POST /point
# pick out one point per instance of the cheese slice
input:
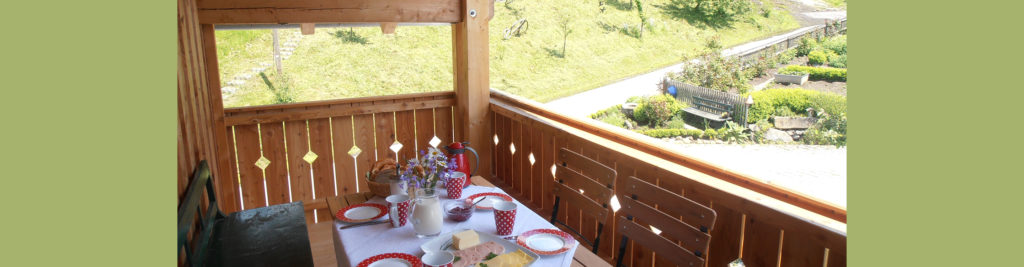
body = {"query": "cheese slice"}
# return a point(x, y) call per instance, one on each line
point(514, 259)
point(465, 239)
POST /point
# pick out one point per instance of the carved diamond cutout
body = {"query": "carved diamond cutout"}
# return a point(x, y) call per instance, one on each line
point(532, 160)
point(655, 230)
point(435, 141)
point(396, 146)
point(262, 162)
point(310, 157)
point(512, 147)
point(552, 169)
point(495, 139)
point(615, 204)
point(355, 151)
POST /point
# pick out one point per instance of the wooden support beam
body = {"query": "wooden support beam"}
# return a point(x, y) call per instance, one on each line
point(308, 28)
point(388, 27)
point(472, 78)
point(220, 159)
point(327, 11)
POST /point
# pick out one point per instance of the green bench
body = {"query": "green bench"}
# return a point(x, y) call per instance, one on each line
point(715, 112)
point(266, 236)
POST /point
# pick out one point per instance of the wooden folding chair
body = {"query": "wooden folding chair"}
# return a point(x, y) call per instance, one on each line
point(693, 231)
point(595, 179)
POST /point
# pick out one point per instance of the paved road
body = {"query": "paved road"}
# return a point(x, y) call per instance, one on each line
point(818, 171)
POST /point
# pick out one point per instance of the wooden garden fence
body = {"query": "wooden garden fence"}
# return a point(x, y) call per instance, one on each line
point(686, 92)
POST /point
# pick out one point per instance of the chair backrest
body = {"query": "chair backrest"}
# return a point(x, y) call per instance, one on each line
point(595, 179)
point(693, 231)
point(187, 211)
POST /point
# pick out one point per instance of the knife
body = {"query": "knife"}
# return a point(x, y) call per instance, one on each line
point(362, 224)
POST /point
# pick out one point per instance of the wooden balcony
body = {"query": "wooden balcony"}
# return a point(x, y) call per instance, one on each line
point(762, 229)
point(275, 154)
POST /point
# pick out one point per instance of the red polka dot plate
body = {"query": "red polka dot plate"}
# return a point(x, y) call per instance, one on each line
point(392, 259)
point(546, 241)
point(488, 204)
point(362, 212)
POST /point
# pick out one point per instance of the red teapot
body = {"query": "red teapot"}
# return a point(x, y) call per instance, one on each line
point(457, 151)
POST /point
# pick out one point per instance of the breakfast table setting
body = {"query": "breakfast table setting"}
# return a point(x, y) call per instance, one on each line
point(445, 221)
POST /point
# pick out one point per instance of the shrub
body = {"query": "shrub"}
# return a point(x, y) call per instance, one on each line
point(771, 102)
point(612, 115)
point(716, 72)
point(762, 130)
point(835, 44)
point(838, 61)
point(784, 112)
point(806, 46)
point(676, 122)
point(733, 132)
point(818, 73)
point(656, 110)
point(817, 58)
point(831, 130)
point(710, 133)
point(662, 133)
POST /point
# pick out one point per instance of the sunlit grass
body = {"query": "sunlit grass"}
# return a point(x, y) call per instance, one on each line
point(343, 62)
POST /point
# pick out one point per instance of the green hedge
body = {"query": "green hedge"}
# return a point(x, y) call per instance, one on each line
point(818, 73)
point(662, 133)
point(768, 103)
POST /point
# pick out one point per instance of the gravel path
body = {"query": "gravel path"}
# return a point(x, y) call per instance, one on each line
point(818, 171)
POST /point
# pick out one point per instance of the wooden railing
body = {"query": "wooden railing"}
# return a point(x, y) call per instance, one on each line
point(762, 224)
point(313, 150)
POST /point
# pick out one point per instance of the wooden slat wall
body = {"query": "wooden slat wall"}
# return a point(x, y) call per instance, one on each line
point(372, 124)
point(199, 106)
point(764, 235)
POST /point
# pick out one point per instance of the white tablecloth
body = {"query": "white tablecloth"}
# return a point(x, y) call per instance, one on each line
point(359, 243)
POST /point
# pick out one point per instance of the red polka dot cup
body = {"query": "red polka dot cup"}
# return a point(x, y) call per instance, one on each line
point(505, 217)
point(398, 209)
point(454, 185)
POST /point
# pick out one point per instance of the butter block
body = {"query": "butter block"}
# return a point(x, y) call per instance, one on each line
point(514, 259)
point(465, 239)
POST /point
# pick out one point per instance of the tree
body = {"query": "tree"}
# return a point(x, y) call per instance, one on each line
point(643, 16)
point(714, 13)
point(566, 30)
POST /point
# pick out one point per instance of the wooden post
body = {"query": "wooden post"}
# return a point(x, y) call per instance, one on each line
point(219, 161)
point(472, 78)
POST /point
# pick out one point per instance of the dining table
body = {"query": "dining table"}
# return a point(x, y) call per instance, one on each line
point(355, 244)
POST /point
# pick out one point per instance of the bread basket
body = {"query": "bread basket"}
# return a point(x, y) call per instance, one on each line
point(379, 177)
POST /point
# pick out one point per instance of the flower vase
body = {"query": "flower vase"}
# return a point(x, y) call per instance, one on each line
point(427, 217)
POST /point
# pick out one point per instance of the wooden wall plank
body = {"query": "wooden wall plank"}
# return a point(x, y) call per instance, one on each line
point(836, 258)
point(296, 138)
point(425, 128)
point(231, 182)
point(517, 160)
point(526, 175)
point(247, 140)
point(345, 169)
point(405, 133)
point(276, 174)
point(761, 243)
point(443, 126)
point(726, 237)
point(800, 250)
point(323, 169)
point(385, 129)
point(364, 132)
point(537, 169)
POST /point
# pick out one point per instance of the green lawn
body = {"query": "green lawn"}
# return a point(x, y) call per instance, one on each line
point(337, 63)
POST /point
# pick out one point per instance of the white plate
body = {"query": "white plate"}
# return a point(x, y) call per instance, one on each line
point(362, 213)
point(546, 242)
point(510, 246)
point(391, 263)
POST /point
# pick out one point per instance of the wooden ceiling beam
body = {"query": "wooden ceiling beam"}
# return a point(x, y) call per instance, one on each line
point(328, 11)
